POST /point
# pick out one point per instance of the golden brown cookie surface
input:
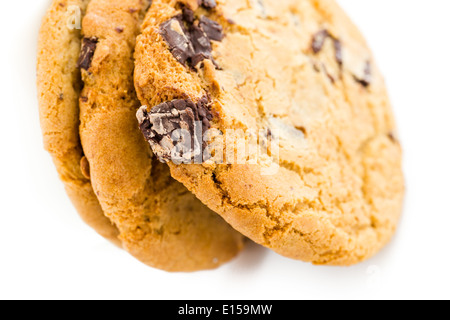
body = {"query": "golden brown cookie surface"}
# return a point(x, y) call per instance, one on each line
point(59, 83)
point(160, 222)
point(300, 71)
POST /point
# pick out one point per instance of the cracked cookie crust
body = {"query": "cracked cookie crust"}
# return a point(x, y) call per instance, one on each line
point(160, 222)
point(302, 69)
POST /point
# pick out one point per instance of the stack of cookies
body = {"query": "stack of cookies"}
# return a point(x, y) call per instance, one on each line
point(180, 128)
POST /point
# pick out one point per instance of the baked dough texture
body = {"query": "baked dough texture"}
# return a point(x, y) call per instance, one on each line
point(300, 70)
point(59, 84)
point(160, 222)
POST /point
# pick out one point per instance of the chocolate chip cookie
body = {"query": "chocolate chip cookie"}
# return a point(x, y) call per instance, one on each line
point(59, 85)
point(315, 171)
point(160, 222)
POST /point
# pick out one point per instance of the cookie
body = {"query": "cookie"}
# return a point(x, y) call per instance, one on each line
point(59, 84)
point(275, 115)
point(160, 222)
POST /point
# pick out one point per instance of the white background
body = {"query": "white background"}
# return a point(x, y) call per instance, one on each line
point(46, 252)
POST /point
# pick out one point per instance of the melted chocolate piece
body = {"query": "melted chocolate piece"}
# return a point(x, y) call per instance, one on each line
point(190, 39)
point(200, 41)
point(317, 45)
point(338, 52)
point(209, 4)
point(188, 16)
point(176, 35)
point(164, 123)
point(87, 53)
point(319, 40)
point(212, 29)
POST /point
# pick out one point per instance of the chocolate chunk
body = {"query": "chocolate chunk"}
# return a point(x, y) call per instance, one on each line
point(163, 128)
point(317, 45)
point(366, 80)
point(213, 30)
point(319, 40)
point(209, 4)
point(188, 16)
point(197, 58)
point(338, 52)
point(176, 36)
point(189, 40)
point(87, 53)
point(200, 41)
